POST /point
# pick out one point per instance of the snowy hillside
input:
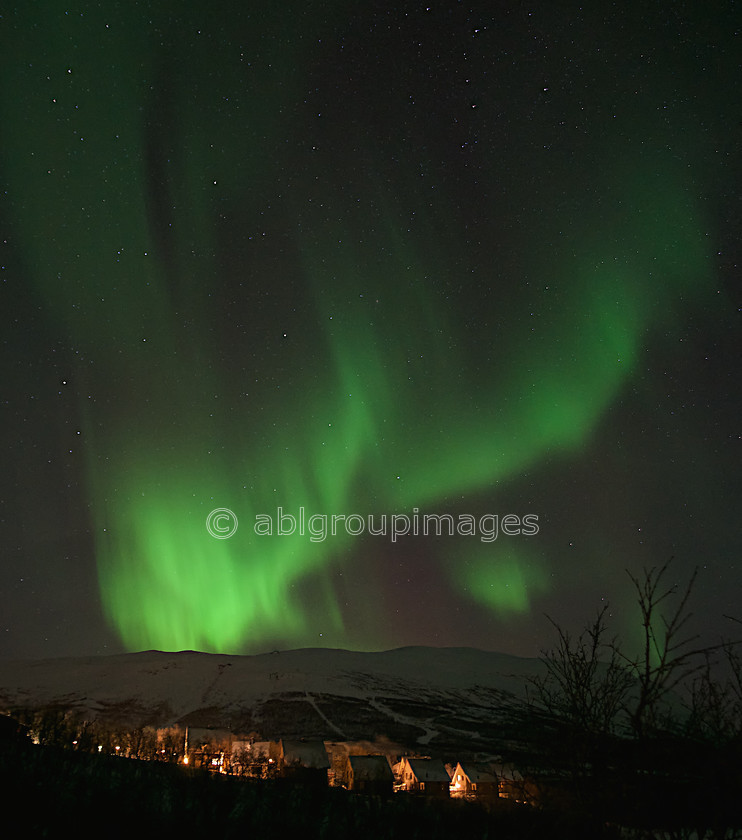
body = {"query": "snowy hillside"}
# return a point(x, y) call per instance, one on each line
point(414, 695)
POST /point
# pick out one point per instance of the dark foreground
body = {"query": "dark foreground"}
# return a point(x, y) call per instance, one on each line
point(49, 792)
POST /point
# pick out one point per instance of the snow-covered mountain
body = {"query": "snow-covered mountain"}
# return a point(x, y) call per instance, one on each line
point(426, 696)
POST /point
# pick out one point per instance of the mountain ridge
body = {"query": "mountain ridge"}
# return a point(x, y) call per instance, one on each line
point(417, 695)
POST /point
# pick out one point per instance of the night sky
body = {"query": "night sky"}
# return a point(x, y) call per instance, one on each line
point(365, 259)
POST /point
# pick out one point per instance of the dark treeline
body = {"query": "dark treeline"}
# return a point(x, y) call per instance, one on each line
point(50, 792)
point(59, 726)
point(650, 737)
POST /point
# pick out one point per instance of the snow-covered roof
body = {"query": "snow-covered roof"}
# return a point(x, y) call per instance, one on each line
point(428, 770)
point(371, 768)
point(306, 753)
point(477, 773)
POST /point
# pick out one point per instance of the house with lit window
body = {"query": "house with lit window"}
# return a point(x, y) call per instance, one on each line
point(258, 759)
point(513, 785)
point(208, 748)
point(474, 781)
point(425, 776)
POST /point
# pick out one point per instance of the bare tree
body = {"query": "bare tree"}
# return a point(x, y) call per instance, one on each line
point(586, 683)
point(669, 655)
point(589, 681)
point(716, 698)
point(575, 708)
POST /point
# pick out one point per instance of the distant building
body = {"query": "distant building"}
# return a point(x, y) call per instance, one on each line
point(513, 785)
point(338, 752)
point(209, 748)
point(427, 776)
point(259, 759)
point(304, 761)
point(474, 781)
point(370, 774)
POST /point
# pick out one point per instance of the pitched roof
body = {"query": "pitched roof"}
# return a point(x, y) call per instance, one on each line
point(371, 768)
point(477, 772)
point(508, 772)
point(428, 770)
point(306, 753)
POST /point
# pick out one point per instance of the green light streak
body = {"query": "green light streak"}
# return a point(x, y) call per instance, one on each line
point(382, 407)
point(505, 577)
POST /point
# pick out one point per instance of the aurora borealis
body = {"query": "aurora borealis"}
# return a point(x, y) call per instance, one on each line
point(364, 260)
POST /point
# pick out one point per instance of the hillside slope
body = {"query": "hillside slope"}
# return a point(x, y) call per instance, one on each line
point(431, 697)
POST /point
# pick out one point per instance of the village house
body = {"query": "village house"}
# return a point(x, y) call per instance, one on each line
point(258, 759)
point(426, 776)
point(474, 781)
point(208, 748)
point(513, 786)
point(338, 752)
point(304, 761)
point(370, 774)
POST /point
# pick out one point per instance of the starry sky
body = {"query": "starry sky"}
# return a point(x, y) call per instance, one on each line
point(466, 259)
